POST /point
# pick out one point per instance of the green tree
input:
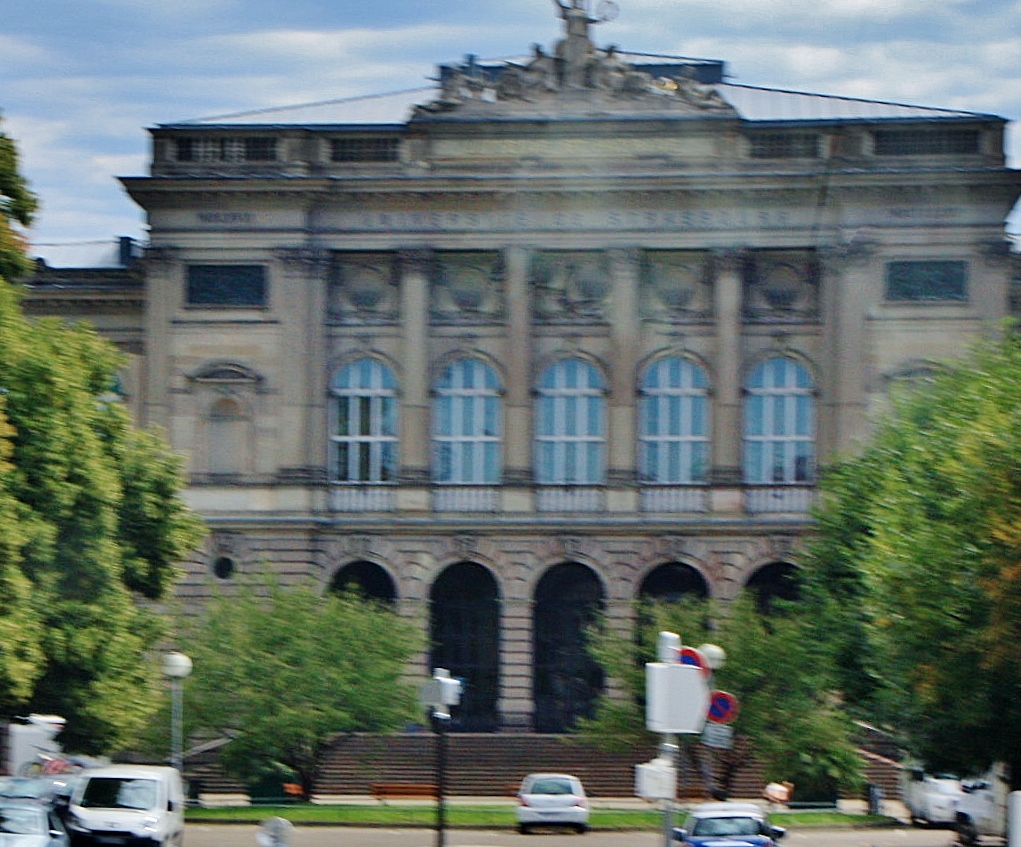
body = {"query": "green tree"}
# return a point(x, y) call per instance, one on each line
point(17, 205)
point(923, 530)
point(790, 716)
point(91, 523)
point(279, 671)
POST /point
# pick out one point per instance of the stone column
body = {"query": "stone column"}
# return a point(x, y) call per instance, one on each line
point(302, 436)
point(728, 354)
point(415, 268)
point(847, 285)
point(517, 460)
point(625, 342)
point(164, 294)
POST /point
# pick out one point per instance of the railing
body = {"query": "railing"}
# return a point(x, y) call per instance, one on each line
point(785, 499)
point(675, 498)
point(570, 499)
point(466, 498)
point(363, 498)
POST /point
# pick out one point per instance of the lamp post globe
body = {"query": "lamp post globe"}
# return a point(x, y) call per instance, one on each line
point(176, 665)
point(714, 655)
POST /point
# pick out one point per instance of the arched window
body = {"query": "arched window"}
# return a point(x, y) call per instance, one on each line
point(467, 425)
point(363, 434)
point(571, 425)
point(777, 580)
point(779, 424)
point(366, 578)
point(674, 423)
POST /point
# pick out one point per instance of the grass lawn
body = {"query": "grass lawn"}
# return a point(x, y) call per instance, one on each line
point(498, 816)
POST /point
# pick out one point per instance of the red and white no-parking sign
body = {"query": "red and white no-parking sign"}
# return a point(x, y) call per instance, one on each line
point(723, 707)
point(691, 656)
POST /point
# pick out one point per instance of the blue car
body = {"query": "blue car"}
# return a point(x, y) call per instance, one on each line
point(728, 825)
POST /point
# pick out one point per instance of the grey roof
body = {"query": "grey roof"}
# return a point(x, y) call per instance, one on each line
point(752, 104)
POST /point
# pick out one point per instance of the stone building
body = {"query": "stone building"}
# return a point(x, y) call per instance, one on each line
point(548, 337)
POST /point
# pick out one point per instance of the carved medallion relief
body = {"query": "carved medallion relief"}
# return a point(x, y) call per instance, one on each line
point(570, 286)
point(363, 288)
point(782, 286)
point(676, 285)
point(467, 287)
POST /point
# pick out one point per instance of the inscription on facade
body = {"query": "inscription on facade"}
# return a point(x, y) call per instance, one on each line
point(227, 218)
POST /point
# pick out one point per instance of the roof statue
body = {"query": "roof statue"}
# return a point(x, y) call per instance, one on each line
point(575, 76)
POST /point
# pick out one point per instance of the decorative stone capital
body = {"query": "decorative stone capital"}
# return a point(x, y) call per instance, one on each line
point(415, 260)
point(518, 477)
point(725, 477)
point(303, 261)
point(415, 476)
point(629, 258)
point(160, 259)
point(858, 252)
point(729, 260)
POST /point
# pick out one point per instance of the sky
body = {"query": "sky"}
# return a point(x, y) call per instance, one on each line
point(82, 80)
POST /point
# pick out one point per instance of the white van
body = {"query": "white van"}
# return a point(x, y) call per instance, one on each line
point(127, 806)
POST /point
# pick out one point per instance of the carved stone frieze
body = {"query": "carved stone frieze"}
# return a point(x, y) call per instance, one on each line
point(468, 288)
point(570, 286)
point(363, 289)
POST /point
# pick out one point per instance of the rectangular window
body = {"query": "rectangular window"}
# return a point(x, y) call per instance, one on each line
point(784, 145)
point(927, 142)
point(241, 149)
point(926, 281)
point(226, 285)
point(364, 149)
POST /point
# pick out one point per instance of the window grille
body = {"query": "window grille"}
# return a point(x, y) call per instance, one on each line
point(571, 425)
point(213, 149)
point(364, 149)
point(363, 434)
point(779, 424)
point(926, 142)
point(927, 281)
point(467, 425)
point(784, 145)
point(674, 416)
point(226, 285)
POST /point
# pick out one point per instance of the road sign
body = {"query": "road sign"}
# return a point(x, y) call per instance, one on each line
point(723, 707)
point(691, 656)
point(718, 735)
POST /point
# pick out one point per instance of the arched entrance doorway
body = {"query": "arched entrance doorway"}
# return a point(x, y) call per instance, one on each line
point(464, 632)
point(565, 679)
point(368, 579)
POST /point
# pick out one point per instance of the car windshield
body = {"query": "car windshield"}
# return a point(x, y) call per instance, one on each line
point(23, 821)
point(551, 786)
point(109, 792)
point(728, 826)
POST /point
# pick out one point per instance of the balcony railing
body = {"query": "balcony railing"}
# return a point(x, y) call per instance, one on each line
point(570, 499)
point(363, 498)
point(675, 498)
point(466, 498)
point(779, 499)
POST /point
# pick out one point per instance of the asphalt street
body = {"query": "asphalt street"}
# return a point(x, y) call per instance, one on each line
point(200, 835)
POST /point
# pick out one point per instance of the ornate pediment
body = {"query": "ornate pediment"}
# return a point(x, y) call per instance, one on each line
point(574, 77)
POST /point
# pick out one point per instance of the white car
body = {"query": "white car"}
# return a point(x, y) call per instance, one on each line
point(552, 799)
point(931, 799)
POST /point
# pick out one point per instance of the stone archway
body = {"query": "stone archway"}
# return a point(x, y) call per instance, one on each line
point(464, 634)
point(566, 680)
point(777, 580)
point(368, 579)
point(673, 581)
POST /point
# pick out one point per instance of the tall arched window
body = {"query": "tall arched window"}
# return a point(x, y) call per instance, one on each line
point(674, 423)
point(779, 424)
point(363, 435)
point(571, 425)
point(467, 425)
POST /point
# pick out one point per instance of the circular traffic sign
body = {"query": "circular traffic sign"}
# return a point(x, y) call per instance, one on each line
point(691, 656)
point(723, 707)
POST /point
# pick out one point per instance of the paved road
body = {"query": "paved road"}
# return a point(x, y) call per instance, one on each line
point(198, 835)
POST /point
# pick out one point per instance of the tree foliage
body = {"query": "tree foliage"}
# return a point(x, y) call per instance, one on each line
point(17, 206)
point(790, 715)
point(90, 519)
point(923, 531)
point(280, 671)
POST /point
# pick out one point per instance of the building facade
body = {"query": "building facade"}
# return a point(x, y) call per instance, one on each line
point(550, 337)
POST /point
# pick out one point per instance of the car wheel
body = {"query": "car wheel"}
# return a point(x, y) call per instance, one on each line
point(967, 834)
point(523, 829)
point(580, 828)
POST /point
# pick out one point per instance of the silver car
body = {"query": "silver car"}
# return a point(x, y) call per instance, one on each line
point(552, 799)
point(28, 824)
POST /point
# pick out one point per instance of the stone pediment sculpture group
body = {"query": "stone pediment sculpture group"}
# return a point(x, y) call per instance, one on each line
point(575, 67)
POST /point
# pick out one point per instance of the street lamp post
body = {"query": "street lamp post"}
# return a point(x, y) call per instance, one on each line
point(438, 694)
point(176, 667)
